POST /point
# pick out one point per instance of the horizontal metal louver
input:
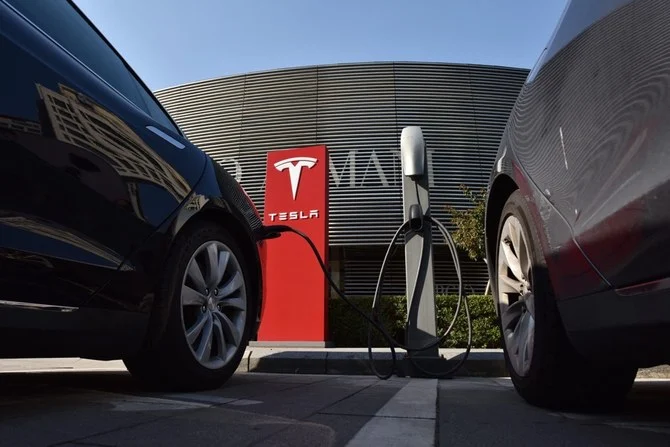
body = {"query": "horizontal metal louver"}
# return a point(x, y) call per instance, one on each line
point(358, 111)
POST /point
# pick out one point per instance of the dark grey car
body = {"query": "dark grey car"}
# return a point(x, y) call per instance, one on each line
point(578, 217)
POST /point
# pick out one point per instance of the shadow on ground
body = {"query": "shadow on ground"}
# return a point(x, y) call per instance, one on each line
point(110, 408)
point(490, 412)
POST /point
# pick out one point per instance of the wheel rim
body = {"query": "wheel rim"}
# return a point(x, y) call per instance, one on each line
point(515, 295)
point(214, 304)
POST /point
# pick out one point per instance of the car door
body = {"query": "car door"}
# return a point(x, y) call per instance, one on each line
point(87, 161)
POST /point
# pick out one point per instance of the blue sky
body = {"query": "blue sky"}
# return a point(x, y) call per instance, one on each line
point(171, 42)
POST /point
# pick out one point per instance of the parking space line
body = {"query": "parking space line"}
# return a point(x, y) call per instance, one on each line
point(408, 418)
point(200, 398)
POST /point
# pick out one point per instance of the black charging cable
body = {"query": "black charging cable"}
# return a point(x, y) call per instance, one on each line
point(462, 301)
point(273, 231)
point(416, 222)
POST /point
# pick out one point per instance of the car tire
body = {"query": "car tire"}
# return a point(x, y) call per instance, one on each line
point(544, 367)
point(189, 356)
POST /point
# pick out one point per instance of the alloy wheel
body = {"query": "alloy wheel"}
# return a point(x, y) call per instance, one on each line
point(214, 304)
point(515, 295)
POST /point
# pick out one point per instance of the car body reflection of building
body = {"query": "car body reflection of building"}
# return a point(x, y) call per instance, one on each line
point(25, 126)
point(79, 121)
point(27, 258)
point(196, 203)
point(60, 234)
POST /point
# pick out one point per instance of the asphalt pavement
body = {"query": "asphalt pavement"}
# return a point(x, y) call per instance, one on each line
point(105, 407)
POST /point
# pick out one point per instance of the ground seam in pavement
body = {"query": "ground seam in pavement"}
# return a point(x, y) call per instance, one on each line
point(319, 411)
point(82, 440)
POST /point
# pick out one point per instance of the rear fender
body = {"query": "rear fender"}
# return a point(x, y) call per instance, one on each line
point(570, 271)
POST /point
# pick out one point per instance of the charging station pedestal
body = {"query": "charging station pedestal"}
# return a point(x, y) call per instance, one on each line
point(422, 324)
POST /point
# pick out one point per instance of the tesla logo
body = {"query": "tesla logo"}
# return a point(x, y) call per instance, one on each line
point(294, 215)
point(294, 166)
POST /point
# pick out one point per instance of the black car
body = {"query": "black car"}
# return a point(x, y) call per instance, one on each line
point(578, 215)
point(119, 239)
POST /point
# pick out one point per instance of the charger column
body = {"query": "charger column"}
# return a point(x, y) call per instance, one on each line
point(421, 328)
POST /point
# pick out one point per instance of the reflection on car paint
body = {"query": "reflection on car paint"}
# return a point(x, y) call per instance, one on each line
point(78, 120)
point(53, 231)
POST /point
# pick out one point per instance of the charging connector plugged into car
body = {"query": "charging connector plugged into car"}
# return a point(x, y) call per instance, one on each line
point(415, 218)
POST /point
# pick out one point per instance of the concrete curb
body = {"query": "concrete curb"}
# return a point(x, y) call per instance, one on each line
point(354, 361)
point(328, 361)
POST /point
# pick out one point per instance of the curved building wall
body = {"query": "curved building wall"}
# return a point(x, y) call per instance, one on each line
point(358, 111)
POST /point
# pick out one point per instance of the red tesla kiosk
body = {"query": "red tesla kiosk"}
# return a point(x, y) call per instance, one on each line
point(295, 304)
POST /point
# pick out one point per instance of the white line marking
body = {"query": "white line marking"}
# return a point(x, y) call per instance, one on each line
point(245, 402)
point(143, 404)
point(202, 398)
point(397, 423)
point(642, 426)
point(206, 399)
point(560, 130)
point(65, 369)
point(133, 402)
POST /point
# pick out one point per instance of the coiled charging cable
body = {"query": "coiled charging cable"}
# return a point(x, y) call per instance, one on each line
point(374, 322)
point(462, 301)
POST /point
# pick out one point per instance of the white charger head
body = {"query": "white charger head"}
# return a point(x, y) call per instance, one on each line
point(412, 151)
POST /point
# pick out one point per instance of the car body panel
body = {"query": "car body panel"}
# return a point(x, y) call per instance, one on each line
point(217, 197)
point(570, 271)
point(614, 329)
point(589, 130)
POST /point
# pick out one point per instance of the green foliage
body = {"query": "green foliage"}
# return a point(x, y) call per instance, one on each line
point(469, 234)
point(349, 329)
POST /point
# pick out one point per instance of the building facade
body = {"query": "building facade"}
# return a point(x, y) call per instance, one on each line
point(358, 111)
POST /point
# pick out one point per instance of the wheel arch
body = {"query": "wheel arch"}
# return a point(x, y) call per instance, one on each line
point(225, 217)
point(502, 188)
point(181, 225)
